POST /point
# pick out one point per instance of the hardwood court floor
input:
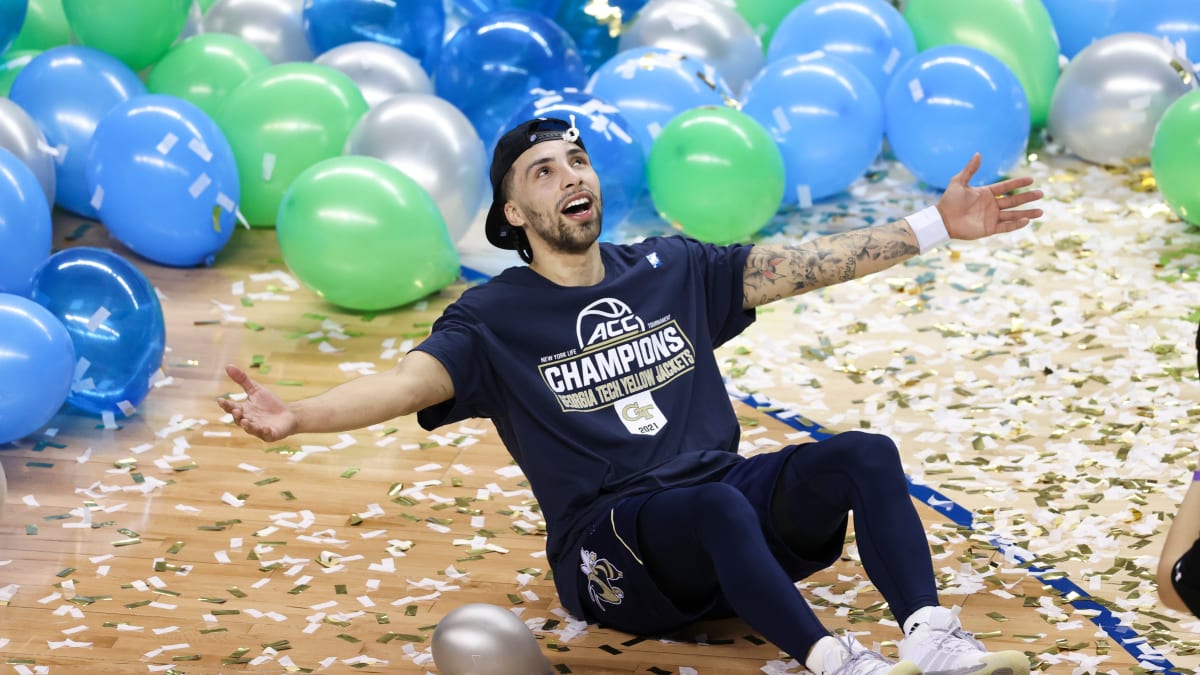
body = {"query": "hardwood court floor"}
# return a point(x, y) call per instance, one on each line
point(176, 543)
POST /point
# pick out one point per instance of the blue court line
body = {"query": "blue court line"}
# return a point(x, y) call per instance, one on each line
point(1122, 635)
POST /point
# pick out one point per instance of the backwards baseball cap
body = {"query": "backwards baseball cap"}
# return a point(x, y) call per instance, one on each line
point(511, 146)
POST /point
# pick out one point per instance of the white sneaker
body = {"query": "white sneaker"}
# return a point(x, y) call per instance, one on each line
point(939, 646)
point(855, 659)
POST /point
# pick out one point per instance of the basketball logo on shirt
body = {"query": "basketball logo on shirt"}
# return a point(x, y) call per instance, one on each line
point(600, 575)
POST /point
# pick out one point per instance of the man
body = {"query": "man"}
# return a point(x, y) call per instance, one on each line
point(1179, 563)
point(595, 363)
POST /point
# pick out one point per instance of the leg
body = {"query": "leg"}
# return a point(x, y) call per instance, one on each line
point(859, 472)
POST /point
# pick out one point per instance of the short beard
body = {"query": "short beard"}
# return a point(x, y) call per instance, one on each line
point(564, 237)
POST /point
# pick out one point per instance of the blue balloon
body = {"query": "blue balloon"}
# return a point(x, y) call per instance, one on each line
point(950, 102)
point(1078, 23)
point(651, 85)
point(412, 26)
point(67, 90)
point(826, 118)
point(615, 154)
point(593, 30)
point(166, 180)
point(477, 7)
point(871, 34)
point(12, 18)
point(492, 63)
point(25, 230)
point(37, 362)
point(1176, 20)
point(115, 322)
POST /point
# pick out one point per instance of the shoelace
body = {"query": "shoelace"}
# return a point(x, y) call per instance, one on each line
point(962, 640)
point(858, 659)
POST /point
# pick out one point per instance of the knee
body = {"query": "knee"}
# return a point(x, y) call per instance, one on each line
point(718, 505)
point(872, 453)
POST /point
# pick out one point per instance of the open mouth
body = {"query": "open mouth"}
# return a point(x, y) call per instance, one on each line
point(579, 206)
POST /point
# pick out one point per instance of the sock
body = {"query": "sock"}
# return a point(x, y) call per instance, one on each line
point(916, 619)
point(821, 652)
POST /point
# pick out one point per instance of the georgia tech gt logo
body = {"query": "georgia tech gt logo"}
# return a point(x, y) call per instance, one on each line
point(600, 575)
point(632, 412)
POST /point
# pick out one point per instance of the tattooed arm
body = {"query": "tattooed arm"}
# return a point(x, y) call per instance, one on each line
point(775, 272)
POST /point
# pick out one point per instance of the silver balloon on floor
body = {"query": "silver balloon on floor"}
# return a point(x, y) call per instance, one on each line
point(20, 135)
point(483, 639)
point(435, 144)
point(276, 27)
point(1110, 97)
point(380, 71)
point(705, 29)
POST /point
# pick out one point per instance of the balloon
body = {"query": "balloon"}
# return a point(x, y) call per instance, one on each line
point(37, 362)
point(380, 71)
point(282, 121)
point(494, 61)
point(1173, 157)
point(870, 34)
point(483, 639)
point(203, 69)
point(477, 7)
point(412, 26)
point(826, 118)
point(650, 86)
point(12, 63)
point(434, 144)
point(950, 102)
point(1112, 94)
point(12, 17)
point(716, 174)
point(138, 32)
point(715, 34)
point(365, 236)
point(764, 16)
point(1176, 20)
point(67, 91)
point(1079, 22)
point(275, 27)
point(25, 232)
point(596, 28)
point(613, 150)
point(1018, 32)
point(45, 27)
point(3, 488)
point(115, 321)
point(20, 135)
point(167, 180)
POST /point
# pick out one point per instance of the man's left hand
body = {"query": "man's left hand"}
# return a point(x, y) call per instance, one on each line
point(975, 212)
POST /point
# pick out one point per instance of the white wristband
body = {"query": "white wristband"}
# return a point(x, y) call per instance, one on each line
point(928, 226)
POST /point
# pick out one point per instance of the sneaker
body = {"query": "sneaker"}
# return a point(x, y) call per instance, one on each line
point(855, 659)
point(939, 646)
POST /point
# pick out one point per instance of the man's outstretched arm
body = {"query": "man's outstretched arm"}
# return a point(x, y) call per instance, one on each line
point(775, 272)
point(415, 383)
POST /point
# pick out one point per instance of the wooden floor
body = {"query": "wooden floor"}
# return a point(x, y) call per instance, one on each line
point(175, 543)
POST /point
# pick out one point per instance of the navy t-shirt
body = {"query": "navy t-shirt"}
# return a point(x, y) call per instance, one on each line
point(600, 392)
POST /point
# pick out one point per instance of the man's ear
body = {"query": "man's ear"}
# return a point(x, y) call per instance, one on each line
point(513, 214)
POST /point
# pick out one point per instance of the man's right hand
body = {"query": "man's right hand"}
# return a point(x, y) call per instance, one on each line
point(262, 413)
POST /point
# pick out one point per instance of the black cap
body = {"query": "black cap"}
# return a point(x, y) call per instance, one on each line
point(511, 146)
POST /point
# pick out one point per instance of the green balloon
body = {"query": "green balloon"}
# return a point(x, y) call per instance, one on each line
point(204, 68)
point(764, 16)
point(282, 121)
point(138, 32)
point(1018, 32)
point(45, 27)
point(205, 4)
point(12, 63)
point(364, 235)
point(1174, 156)
point(716, 174)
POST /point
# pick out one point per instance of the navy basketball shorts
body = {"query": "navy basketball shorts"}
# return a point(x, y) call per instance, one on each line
point(615, 588)
point(1185, 578)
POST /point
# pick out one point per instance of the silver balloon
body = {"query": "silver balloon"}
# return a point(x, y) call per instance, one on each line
point(435, 144)
point(276, 27)
point(705, 29)
point(192, 27)
point(380, 71)
point(483, 639)
point(20, 135)
point(1110, 97)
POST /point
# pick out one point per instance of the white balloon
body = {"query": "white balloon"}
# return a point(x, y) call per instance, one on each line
point(276, 27)
point(380, 71)
point(433, 143)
